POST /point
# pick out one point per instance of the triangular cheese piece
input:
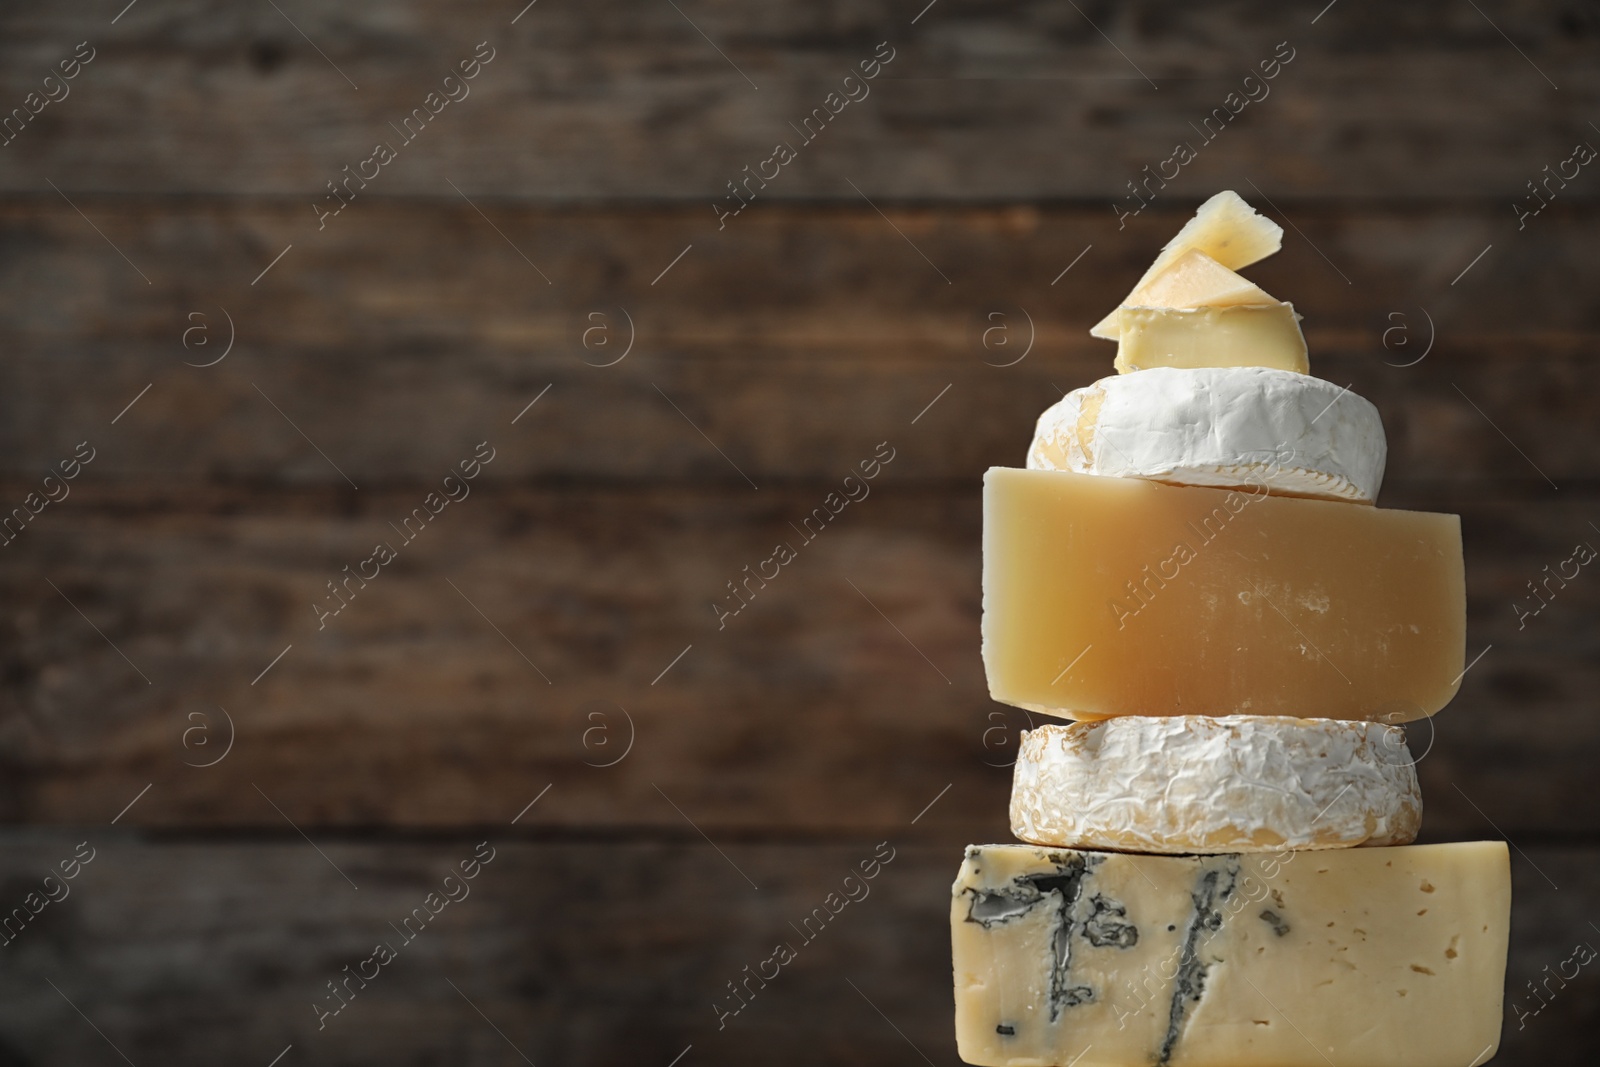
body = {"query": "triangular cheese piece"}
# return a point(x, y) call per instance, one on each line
point(1195, 280)
point(1225, 228)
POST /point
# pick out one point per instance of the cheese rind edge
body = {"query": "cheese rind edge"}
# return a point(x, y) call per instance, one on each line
point(1201, 784)
point(1223, 427)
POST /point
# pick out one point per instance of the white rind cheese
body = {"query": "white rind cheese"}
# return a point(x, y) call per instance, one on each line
point(1219, 427)
point(1198, 784)
point(1368, 957)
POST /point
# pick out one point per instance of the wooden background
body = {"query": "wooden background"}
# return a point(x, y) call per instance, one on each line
point(559, 618)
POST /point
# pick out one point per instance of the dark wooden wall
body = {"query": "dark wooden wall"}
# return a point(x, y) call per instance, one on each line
point(559, 618)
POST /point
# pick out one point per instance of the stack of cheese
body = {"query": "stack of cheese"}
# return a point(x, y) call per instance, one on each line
point(1219, 869)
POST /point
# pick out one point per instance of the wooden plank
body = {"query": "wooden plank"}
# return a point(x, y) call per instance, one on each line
point(560, 617)
point(215, 952)
point(576, 953)
point(1010, 100)
point(417, 275)
point(1467, 418)
point(416, 332)
point(426, 704)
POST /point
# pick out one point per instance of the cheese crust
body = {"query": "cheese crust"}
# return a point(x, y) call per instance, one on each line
point(1203, 784)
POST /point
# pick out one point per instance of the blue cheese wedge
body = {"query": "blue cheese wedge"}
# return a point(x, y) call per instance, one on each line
point(1372, 957)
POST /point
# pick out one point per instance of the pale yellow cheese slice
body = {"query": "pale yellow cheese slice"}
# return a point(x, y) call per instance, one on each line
point(1225, 228)
point(1196, 280)
point(1244, 335)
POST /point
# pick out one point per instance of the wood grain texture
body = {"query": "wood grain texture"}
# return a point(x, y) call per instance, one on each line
point(191, 953)
point(421, 273)
point(982, 100)
point(561, 616)
point(1469, 418)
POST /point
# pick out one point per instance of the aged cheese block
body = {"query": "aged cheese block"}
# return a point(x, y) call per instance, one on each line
point(1225, 228)
point(1232, 427)
point(1243, 335)
point(1368, 957)
point(1121, 596)
point(1193, 783)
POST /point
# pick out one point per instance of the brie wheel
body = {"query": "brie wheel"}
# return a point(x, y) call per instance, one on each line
point(1219, 427)
point(1195, 783)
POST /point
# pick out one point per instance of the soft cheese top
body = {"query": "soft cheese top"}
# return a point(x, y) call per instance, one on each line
point(1228, 427)
point(1214, 384)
